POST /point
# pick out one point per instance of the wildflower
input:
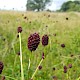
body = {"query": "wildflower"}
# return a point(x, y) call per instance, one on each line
point(62, 45)
point(70, 65)
point(66, 18)
point(33, 41)
point(19, 29)
point(1, 67)
point(17, 36)
point(40, 67)
point(25, 17)
point(54, 68)
point(18, 53)
point(45, 40)
point(65, 69)
point(72, 55)
point(49, 15)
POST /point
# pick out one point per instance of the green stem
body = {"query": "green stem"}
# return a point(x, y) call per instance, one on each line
point(36, 69)
point(78, 78)
point(14, 59)
point(29, 64)
point(9, 77)
point(22, 73)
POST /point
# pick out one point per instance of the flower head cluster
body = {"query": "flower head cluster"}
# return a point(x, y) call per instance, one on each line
point(45, 40)
point(33, 41)
point(19, 29)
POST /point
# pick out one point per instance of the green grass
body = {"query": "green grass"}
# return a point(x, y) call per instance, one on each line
point(67, 32)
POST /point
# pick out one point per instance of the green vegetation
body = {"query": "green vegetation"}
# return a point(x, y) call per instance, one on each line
point(38, 5)
point(62, 50)
point(70, 6)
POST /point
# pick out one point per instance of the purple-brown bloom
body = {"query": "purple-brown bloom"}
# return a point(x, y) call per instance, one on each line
point(63, 45)
point(54, 68)
point(40, 67)
point(70, 65)
point(25, 17)
point(66, 18)
point(19, 29)
point(65, 69)
point(18, 53)
point(33, 41)
point(17, 36)
point(49, 15)
point(45, 40)
point(1, 67)
point(72, 55)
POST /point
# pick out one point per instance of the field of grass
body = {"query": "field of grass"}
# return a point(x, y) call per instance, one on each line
point(59, 30)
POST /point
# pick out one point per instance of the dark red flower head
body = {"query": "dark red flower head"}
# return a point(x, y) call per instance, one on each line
point(1, 67)
point(70, 65)
point(54, 68)
point(66, 18)
point(45, 40)
point(33, 41)
point(19, 29)
point(65, 69)
point(40, 67)
point(63, 45)
point(17, 36)
point(18, 53)
point(25, 17)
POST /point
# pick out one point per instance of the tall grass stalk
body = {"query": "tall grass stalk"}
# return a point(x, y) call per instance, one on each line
point(22, 72)
point(36, 69)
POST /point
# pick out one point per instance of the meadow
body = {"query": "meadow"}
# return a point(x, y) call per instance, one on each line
point(61, 28)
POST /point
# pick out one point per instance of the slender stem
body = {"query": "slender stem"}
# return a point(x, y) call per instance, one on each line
point(22, 73)
point(14, 59)
point(36, 69)
point(9, 77)
point(29, 64)
point(78, 78)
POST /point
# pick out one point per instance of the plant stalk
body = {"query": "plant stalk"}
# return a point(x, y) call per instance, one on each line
point(36, 69)
point(22, 73)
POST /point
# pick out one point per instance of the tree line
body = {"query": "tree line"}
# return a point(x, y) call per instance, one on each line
point(40, 5)
point(70, 6)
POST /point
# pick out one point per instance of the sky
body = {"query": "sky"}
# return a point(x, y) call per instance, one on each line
point(20, 5)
